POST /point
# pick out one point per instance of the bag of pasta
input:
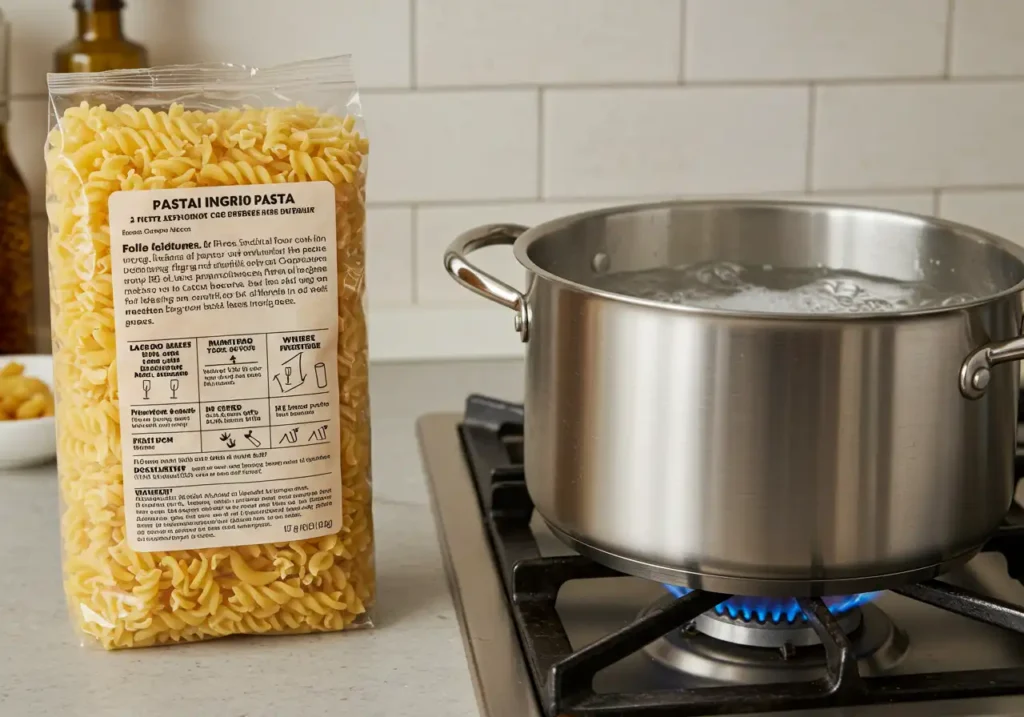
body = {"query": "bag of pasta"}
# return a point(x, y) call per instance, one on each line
point(209, 338)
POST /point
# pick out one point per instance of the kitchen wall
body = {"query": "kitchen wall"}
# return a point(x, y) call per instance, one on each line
point(523, 110)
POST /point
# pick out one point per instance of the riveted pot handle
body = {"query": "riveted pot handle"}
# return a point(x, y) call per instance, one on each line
point(976, 371)
point(482, 283)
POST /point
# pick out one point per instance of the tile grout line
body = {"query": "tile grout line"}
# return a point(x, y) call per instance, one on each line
point(947, 60)
point(1011, 187)
point(682, 42)
point(914, 80)
point(413, 79)
point(414, 280)
point(540, 143)
point(853, 193)
point(812, 115)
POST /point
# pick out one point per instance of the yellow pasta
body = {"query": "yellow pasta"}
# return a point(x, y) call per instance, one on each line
point(129, 599)
point(23, 397)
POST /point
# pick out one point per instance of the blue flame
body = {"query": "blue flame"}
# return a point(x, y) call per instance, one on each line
point(777, 610)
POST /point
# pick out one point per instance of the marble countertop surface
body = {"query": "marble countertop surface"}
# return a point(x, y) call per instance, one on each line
point(411, 663)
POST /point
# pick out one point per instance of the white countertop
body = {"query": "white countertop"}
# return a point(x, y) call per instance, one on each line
point(412, 663)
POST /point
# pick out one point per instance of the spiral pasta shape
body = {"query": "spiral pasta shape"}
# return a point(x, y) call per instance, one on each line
point(120, 597)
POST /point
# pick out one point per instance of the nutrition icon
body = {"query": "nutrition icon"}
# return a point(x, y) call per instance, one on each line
point(228, 440)
point(252, 439)
point(174, 389)
point(293, 377)
point(321, 374)
point(290, 436)
point(146, 385)
point(320, 434)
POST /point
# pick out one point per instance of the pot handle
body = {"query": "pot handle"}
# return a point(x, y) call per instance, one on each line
point(976, 371)
point(480, 282)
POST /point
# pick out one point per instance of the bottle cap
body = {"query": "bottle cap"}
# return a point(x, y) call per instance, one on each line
point(98, 5)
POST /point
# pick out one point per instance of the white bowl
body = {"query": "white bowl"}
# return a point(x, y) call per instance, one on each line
point(34, 440)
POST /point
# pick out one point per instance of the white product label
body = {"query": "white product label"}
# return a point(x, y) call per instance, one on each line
point(226, 302)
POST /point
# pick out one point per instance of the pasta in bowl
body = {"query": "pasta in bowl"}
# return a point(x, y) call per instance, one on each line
point(27, 435)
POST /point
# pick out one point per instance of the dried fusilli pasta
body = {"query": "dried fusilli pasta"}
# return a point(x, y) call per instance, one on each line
point(129, 599)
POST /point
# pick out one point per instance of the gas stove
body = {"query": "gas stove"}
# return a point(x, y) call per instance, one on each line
point(549, 632)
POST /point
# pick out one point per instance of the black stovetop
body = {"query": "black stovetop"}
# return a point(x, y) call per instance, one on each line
point(563, 674)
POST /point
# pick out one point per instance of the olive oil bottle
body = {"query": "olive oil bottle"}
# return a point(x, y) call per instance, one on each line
point(17, 307)
point(100, 43)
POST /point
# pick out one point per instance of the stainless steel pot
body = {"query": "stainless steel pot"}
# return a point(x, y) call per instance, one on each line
point(764, 454)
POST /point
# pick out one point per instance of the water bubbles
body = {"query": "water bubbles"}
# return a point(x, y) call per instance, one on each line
point(842, 289)
point(956, 300)
point(722, 275)
point(768, 289)
point(881, 305)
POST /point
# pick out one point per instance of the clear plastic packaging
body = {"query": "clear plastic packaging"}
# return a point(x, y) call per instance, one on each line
point(187, 128)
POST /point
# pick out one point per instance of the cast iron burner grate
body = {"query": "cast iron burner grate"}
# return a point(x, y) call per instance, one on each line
point(491, 434)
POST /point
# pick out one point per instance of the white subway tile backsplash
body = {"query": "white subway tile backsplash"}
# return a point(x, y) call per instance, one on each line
point(439, 146)
point(998, 211)
point(27, 135)
point(528, 110)
point(644, 142)
point(919, 135)
point(375, 33)
point(988, 37)
point(510, 42)
point(181, 31)
point(912, 202)
point(436, 227)
point(38, 27)
point(814, 39)
point(389, 251)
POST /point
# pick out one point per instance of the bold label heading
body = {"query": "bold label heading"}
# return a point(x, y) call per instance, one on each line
point(229, 200)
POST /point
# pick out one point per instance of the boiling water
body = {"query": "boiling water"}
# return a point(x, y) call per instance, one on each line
point(766, 289)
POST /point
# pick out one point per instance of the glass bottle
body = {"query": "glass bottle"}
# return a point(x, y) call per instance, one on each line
point(100, 44)
point(17, 307)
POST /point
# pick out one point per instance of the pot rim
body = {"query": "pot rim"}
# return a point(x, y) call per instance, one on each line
point(522, 244)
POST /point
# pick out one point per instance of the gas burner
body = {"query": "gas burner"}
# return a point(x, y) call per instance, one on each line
point(777, 610)
point(797, 633)
point(772, 622)
point(728, 650)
